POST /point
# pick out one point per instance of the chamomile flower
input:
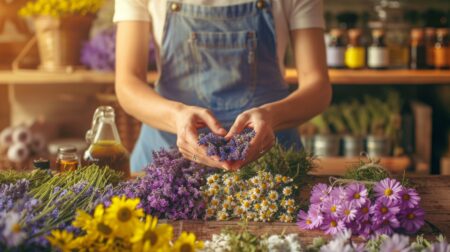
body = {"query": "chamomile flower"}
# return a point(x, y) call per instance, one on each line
point(287, 191)
point(246, 205)
point(273, 195)
point(222, 215)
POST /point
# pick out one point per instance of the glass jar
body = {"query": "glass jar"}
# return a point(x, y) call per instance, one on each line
point(105, 148)
point(377, 53)
point(67, 159)
point(336, 49)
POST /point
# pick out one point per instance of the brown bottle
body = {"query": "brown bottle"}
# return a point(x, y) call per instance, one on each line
point(67, 159)
point(442, 49)
point(106, 148)
point(417, 50)
point(430, 41)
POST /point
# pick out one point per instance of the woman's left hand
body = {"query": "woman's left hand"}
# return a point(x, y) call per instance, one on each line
point(259, 119)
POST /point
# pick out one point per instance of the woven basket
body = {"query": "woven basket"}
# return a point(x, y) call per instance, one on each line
point(60, 40)
point(128, 127)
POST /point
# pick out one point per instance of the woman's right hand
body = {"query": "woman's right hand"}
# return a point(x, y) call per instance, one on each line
point(188, 120)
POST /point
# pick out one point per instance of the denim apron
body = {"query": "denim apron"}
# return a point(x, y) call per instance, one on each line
point(218, 57)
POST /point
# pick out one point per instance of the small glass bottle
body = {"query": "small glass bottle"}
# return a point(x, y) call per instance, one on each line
point(377, 53)
point(336, 49)
point(105, 148)
point(67, 159)
point(430, 41)
point(417, 50)
point(355, 55)
point(41, 164)
point(442, 49)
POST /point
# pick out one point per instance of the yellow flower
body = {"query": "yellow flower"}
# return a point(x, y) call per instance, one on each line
point(123, 216)
point(82, 220)
point(187, 243)
point(287, 191)
point(149, 236)
point(273, 195)
point(97, 227)
point(61, 240)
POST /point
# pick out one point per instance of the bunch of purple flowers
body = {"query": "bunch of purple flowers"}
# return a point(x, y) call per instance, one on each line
point(393, 208)
point(233, 150)
point(99, 52)
point(170, 188)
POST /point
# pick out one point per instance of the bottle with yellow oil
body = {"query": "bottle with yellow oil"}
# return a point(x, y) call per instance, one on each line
point(355, 55)
point(105, 147)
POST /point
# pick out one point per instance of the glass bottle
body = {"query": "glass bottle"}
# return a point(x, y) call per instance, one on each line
point(105, 147)
point(430, 41)
point(417, 50)
point(377, 53)
point(355, 55)
point(67, 159)
point(336, 49)
point(442, 49)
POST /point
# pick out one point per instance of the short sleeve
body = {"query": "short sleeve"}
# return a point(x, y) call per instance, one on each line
point(131, 10)
point(304, 14)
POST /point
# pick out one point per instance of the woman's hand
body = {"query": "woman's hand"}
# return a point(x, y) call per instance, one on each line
point(188, 120)
point(259, 119)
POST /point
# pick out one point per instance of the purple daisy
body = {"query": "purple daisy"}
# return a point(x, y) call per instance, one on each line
point(338, 193)
point(315, 215)
point(364, 229)
point(387, 226)
point(384, 209)
point(397, 242)
point(332, 226)
point(409, 198)
point(320, 192)
point(364, 211)
point(442, 246)
point(304, 221)
point(347, 212)
point(389, 189)
point(412, 219)
point(332, 207)
point(356, 193)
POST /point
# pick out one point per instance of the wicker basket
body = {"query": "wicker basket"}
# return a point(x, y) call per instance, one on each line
point(60, 40)
point(128, 127)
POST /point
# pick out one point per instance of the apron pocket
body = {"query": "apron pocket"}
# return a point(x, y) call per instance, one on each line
point(225, 68)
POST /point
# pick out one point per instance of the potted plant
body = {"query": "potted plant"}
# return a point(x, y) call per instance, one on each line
point(330, 126)
point(357, 121)
point(61, 28)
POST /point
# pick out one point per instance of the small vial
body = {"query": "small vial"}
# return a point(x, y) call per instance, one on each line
point(67, 159)
point(377, 53)
point(355, 55)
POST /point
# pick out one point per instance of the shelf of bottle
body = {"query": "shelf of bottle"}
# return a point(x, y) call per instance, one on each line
point(337, 77)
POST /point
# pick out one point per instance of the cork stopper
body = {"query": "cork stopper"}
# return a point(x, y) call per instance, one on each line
point(336, 32)
point(417, 34)
point(376, 33)
point(354, 33)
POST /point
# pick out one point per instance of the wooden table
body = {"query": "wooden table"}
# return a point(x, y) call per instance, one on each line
point(434, 190)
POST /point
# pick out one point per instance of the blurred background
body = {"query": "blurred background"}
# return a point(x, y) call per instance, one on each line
point(389, 65)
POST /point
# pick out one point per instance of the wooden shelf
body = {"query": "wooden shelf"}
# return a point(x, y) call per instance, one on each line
point(339, 165)
point(337, 77)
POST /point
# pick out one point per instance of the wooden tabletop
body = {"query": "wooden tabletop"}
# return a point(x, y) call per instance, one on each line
point(434, 190)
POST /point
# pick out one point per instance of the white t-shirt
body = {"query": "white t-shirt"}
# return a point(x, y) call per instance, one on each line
point(288, 15)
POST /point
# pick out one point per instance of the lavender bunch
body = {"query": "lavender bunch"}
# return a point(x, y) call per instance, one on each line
point(233, 150)
point(392, 208)
point(170, 188)
point(99, 52)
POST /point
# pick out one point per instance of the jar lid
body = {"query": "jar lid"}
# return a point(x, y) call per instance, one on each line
point(377, 33)
point(43, 164)
point(54, 145)
point(67, 149)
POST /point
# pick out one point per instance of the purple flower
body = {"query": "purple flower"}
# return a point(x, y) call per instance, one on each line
point(233, 150)
point(387, 226)
point(315, 215)
point(338, 193)
point(304, 221)
point(412, 219)
point(320, 193)
point(347, 212)
point(384, 209)
point(364, 229)
point(442, 246)
point(364, 211)
point(388, 189)
point(332, 226)
point(332, 207)
point(409, 198)
point(398, 243)
point(356, 193)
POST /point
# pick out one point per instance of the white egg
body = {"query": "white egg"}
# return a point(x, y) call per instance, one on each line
point(18, 152)
point(22, 134)
point(6, 137)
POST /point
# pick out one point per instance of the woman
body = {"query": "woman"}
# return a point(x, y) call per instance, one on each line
point(221, 67)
